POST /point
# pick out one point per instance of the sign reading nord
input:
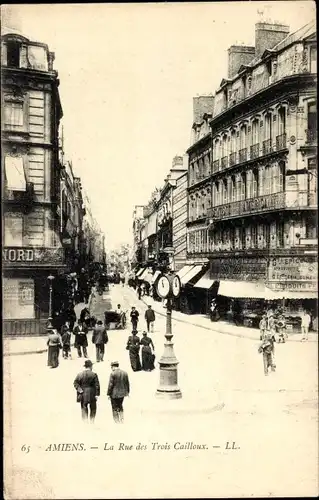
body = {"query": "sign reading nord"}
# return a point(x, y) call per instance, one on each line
point(32, 255)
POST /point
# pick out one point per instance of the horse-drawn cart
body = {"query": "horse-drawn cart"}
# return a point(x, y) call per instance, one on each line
point(114, 320)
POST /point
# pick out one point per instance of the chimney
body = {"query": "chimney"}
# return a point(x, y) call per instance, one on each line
point(202, 104)
point(177, 162)
point(238, 55)
point(267, 35)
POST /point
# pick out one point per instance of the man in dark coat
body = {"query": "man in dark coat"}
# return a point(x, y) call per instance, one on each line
point(134, 318)
point(119, 387)
point(85, 316)
point(150, 318)
point(87, 386)
point(81, 341)
point(99, 338)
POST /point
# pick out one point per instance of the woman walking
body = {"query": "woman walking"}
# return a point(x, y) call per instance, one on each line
point(54, 345)
point(133, 346)
point(147, 353)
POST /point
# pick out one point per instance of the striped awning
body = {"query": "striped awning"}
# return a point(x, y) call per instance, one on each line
point(190, 274)
point(205, 281)
point(139, 272)
point(155, 276)
point(184, 270)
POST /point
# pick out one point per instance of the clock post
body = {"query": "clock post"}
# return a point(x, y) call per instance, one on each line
point(168, 287)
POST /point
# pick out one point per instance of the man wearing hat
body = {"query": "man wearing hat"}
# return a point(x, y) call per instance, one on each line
point(87, 386)
point(119, 387)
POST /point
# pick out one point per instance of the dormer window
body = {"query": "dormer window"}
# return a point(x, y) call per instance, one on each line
point(13, 54)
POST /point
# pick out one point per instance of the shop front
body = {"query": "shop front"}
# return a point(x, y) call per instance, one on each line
point(26, 288)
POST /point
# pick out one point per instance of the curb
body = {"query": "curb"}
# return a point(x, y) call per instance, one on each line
point(22, 353)
point(218, 331)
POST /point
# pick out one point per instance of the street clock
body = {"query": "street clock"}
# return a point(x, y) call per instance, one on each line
point(163, 287)
point(176, 286)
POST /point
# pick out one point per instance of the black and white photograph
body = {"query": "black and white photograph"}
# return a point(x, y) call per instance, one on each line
point(159, 250)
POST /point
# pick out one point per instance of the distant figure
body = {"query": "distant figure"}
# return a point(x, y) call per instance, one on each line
point(54, 344)
point(263, 326)
point(150, 318)
point(139, 292)
point(267, 350)
point(305, 324)
point(85, 316)
point(133, 346)
point(70, 316)
point(87, 386)
point(81, 341)
point(100, 339)
point(147, 353)
point(134, 318)
point(66, 342)
point(118, 389)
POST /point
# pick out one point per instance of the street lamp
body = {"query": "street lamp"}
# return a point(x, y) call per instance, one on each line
point(49, 325)
point(168, 286)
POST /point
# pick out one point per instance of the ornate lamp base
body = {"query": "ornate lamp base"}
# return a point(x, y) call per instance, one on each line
point(168, 388)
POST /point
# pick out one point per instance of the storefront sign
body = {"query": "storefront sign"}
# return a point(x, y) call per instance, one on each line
point(239, 269)
point(28, 256)
point(26, 293)
point(293, 273)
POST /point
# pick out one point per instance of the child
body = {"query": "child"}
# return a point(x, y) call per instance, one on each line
point(66, 342)
point(267, 350)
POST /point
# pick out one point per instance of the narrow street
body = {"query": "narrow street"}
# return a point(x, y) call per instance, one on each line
point(221, 376)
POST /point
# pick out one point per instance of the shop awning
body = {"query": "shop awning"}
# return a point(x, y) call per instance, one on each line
point(242, 289)
point(290, 295)
point(147, 276)
point(139, 272)
point(205, 282)
point(144, 273)
point(191, 274)
point(15, 174)
point(155, 276)
point(184, 271)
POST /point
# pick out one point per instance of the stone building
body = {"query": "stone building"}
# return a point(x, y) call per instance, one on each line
point(261, 234)
point(32, 248)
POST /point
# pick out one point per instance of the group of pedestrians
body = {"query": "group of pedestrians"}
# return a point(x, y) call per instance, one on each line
point(133, 346)
point(87, 386)
point(149, 318)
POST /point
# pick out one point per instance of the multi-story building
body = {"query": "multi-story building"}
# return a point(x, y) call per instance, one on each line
point(261, 234)
point(138, 217)
point(92, 238)
point(32, 249)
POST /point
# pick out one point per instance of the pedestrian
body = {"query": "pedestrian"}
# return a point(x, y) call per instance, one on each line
point(281, 327)
point(150, 318)
point(66, 342)
point(118, 389)
point(263, 326)
point(81, 341)
point(134, 318)
point(139, 292)
point(87, 386)
point(70, 316)
point(133, 346)
point(148, 355)
point(305, 324)
point(100, 338)
point(54, 344)
point(267, 350)
point(85, 316)
point(58, 321)
point(272, 325)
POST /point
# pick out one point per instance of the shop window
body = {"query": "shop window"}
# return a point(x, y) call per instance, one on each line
point(13, 54)
point(18, 298)
point(311, 230)
point(13, 115)
point(13, 230)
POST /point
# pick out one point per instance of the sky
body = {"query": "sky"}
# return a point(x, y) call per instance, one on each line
point(128, 73)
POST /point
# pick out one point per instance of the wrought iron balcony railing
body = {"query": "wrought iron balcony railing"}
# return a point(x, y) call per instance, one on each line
point(281, 142)
point(252, 205)
point(267, 147)
point(242, 155)
point(232, 159)
point(254, 151)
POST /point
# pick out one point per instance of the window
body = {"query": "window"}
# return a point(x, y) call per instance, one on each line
point(254, 183)
point(255, 132)
point(311, 230)
point(13, 115)
point(312, 116)
point(254, 236)
point(13, 54)
point(13, 230)
point(282, 121)
point(15, 175)
point(280, 234)
point(243, 137)
point(313, 60)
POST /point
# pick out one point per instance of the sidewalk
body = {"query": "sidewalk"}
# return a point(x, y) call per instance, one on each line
point(218, 326)
point(14, 346)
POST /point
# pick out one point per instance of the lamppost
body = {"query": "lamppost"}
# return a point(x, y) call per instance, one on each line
point(49, 325)
point(168, 286)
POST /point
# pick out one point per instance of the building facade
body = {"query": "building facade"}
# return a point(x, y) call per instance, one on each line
point(261, 228)
point(32, 248)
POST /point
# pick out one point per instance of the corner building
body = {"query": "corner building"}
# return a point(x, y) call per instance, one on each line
point(262, 225)
point(32, 247)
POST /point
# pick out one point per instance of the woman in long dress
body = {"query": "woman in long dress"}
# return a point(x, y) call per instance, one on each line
point(147, 353)
point(54, 345)
point(133, 346)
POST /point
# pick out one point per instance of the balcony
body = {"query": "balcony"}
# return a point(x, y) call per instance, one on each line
point(281, 142)
point(254, 151)
point(311, 136)
point(232, 159)
point(215, 166)
point(267, 147)
point(242, 155)
point(265, 203)
point(224, 162)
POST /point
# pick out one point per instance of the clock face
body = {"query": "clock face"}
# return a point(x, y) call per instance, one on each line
point(176, 286)
point(163, 287)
